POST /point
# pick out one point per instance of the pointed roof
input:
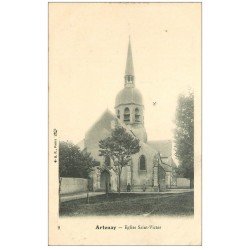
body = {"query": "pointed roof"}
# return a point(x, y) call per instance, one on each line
point(129, 64)
point(104, 123)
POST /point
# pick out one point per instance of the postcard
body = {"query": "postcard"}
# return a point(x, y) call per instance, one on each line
point(124, 123)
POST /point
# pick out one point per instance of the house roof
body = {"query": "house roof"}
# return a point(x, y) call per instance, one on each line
point(164, 147)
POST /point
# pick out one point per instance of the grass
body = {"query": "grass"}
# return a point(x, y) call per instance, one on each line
point(180, 204)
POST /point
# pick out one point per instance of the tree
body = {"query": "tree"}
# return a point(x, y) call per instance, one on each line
point(120, 146)
point(73, 162)
point(184, 136)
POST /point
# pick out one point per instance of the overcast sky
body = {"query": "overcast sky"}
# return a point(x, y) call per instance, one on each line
point(88, 48)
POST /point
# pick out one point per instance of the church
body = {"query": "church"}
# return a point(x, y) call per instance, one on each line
point(152, 167)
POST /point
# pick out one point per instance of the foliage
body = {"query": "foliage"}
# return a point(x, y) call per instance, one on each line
point(73, 162)
point(184, 135)
point(119, 147)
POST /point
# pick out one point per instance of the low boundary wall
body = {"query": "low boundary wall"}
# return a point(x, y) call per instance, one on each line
point(183, 183)
point(73, 185)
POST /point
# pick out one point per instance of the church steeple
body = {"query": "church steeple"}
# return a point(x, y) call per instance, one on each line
point(129, 102)
point(129, 71)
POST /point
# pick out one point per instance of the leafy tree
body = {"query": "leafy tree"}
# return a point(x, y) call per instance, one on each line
point(119, 147)
point(184, 136)
point(73, 162)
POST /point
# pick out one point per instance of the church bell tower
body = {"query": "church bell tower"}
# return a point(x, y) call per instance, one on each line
point(129, 103)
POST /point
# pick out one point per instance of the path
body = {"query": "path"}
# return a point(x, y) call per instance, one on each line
point(69, 197)
point(76, 196)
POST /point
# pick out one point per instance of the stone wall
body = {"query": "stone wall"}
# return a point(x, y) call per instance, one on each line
point(73, 185)
point(183, 183)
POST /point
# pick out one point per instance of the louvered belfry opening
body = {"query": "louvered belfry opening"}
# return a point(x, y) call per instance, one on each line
point(137, 115)
point(126, 115)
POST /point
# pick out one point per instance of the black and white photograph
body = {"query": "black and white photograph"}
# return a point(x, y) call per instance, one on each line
point(125, 124)
point(124, 88)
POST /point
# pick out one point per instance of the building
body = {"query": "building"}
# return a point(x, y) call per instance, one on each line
point(151, 168)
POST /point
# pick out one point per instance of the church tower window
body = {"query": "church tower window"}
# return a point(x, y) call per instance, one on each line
point(142, 163)
point(126, 115)
point(118, 114)
point(137, 115)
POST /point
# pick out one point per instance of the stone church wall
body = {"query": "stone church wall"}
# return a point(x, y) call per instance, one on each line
point(136, 177)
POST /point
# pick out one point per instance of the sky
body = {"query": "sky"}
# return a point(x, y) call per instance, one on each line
point(87, 56)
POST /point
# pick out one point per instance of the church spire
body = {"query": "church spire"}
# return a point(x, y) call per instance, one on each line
point(129, 71)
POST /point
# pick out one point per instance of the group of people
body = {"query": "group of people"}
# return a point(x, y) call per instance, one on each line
point(108, 187)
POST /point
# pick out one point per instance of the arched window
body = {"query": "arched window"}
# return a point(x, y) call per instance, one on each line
point(137, 115)
point(107, 161)
point(118, 114)
point(142, 163)
point(126, 115)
